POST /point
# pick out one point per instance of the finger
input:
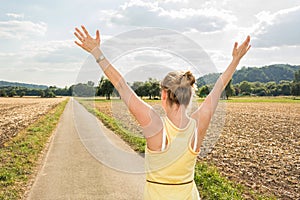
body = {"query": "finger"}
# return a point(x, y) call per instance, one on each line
point(248, 38)
point(79, 37)
point(235, 45)
point(78, 43)
point(79, 32)
point(85, 31)
point(246, 42)
point(248, 48)
point(97, 36)
point(82, 46)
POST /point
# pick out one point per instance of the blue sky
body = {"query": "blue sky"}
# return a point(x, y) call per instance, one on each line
point(37, 42)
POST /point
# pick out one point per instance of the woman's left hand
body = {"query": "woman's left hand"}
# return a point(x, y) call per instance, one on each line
point(87, 42)
point(239, 51)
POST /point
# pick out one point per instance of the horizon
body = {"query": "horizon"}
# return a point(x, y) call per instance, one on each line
point(38, 42)
point(129, 77)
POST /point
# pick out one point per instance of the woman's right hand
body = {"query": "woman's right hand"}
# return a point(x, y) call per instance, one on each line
point(87, 42)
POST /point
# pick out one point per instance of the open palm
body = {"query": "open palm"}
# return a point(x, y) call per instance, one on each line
point(239, 51)
point(87, 42)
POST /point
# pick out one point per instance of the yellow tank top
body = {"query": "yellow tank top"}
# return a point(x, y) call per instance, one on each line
point(170, 173)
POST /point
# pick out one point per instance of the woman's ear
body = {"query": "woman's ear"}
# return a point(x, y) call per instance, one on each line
point(164, 94)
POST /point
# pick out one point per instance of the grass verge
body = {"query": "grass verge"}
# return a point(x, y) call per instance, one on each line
point(136, 143)
point(234, 99)
point(249, 99)
point(19, 156)
point(211, 184)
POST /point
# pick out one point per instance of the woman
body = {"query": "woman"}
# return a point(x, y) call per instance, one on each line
point(173, 142)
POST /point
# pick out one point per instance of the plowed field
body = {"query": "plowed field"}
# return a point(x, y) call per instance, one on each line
point(259, 145)
point(18, 113)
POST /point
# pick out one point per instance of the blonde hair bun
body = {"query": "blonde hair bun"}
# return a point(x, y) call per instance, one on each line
point(179, 87)
point(188, 79)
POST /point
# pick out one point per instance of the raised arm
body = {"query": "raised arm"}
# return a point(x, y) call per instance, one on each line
point(206, 110)
point(144, 114)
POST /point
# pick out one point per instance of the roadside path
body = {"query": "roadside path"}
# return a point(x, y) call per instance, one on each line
point(71, 172)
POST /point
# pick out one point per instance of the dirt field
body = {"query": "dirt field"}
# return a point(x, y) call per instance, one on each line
point(18, 113)
point(259, 145)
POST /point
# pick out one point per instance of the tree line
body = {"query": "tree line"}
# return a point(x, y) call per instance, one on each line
point(271, 73)
point(52, 91)
point(151, 89)
point(257, 88)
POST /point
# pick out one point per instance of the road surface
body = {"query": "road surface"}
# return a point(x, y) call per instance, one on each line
point(82, 162)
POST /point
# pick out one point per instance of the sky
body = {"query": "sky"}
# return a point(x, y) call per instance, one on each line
point(37, 41)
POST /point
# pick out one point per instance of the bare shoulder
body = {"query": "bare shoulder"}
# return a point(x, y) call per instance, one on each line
point(203, 115)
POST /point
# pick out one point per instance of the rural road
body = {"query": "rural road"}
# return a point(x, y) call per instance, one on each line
point(84, 162)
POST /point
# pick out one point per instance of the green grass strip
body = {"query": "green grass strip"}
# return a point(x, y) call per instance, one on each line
point(248, 99)
point(19, 156)
point(280, 99)
point(211, 184)
point(263, 100)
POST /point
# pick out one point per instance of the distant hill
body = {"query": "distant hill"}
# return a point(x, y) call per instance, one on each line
point(264, 74)
point(26, 85)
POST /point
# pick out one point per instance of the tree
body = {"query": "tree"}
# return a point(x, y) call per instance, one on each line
point(245, 88)
point(237, 90)
point(259, 91)
point(295, 87)
point(71, 90)
point(203, 91)
point(138, 88)
point(82, 90)
point(47, 93)
point(271, 88)
point(90, 83)
point(146, 89)
point(3, 93)
point(297, 77)
point(154, 89)
point(63, 91)
point(52, 87)
point(295, 90)
point(42, 93)
point(229, 89)
point(12, 93)
point(285, 88)
point(22, 93)
point(105, 88)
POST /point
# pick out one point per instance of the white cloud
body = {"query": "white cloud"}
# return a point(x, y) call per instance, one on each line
point(274, 55)
point(19, 29)
point(45, 56)
point(36, 47)
point(15, 15)
point(214, 25)
point(173, 1)
point(278, 29)
point(149, 14)
point(47, 62)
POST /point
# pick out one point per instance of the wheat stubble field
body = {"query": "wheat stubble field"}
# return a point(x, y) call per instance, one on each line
point(18, 113)
point(259, 146)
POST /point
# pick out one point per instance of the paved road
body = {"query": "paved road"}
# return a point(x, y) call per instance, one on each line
point(84, 162)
